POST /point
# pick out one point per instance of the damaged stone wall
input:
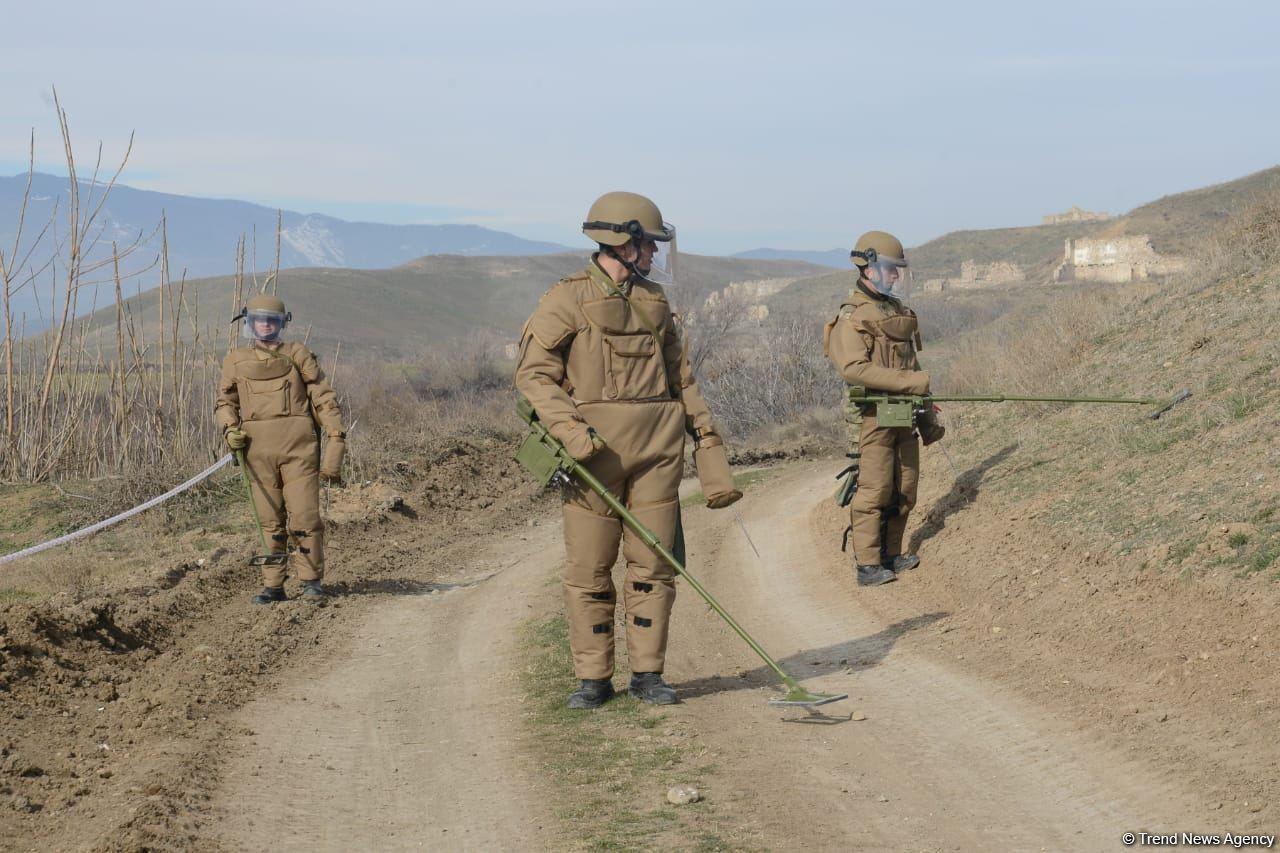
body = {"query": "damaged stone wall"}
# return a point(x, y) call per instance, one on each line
point(1113, 260)
point(749, 292)
point(974, 275)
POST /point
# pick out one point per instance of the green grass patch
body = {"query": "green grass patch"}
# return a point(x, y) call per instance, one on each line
point(1265, 557)
point(15, 596)
point(610, 767)
point(741, 482)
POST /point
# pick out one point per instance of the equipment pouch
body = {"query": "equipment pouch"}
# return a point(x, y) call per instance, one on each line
point(899, 327)
point(538, 459)
point(848, 485)
point(895, 415)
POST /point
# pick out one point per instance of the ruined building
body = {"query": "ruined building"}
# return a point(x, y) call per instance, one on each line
point(1114, 260)
point(974, 275)
point(1075, 214)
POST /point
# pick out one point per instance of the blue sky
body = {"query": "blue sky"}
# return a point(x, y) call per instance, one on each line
point(791, 125)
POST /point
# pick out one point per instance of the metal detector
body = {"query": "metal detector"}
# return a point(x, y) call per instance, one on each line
point(545, 458)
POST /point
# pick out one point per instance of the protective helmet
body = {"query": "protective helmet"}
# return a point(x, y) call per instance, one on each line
point(881, 258)
point(265, 317)
point(619, 218)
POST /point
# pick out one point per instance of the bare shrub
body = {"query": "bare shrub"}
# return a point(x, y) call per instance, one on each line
point(404, 410)
point(124, 403)
point(773, 376)
point(945, 316)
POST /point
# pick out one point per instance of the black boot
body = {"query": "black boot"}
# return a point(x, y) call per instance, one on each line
point(901, 563)
point(593, 693)
point(649, 687)
point(312, 591)
point(270, 595)
point(874, 575)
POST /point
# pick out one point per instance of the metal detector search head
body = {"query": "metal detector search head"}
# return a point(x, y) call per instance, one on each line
point(798, 697)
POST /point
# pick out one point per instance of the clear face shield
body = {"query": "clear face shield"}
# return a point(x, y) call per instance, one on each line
point(264, 326)
point(889, 276)
point(657, 259)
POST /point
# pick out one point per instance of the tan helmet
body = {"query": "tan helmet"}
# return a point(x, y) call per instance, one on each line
point(878, 246)
point(266, 302)
point(618, 217)
point(265, 317)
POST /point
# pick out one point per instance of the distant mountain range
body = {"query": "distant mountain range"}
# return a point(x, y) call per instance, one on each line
point(838, 258)
point(203, 234)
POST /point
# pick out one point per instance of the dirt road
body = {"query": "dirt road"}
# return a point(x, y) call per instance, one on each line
point(943, 760)
point(409, 737)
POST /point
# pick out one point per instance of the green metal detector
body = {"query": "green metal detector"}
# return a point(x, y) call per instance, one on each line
point(547, 460)
point(266, 558)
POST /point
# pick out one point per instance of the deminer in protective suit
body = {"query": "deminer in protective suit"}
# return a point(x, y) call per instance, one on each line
point(602, 362)
point(273, 399)
point(873, 342)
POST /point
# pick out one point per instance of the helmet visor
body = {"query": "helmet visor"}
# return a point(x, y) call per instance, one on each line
point(264, 325)
point(889, 275)
point(661, 258)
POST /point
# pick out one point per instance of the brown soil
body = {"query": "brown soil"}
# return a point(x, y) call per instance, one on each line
point(115, 706)
point(1106, 701)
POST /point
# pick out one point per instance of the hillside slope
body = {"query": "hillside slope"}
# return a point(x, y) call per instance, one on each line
point(433, 299)
point(1179, 223)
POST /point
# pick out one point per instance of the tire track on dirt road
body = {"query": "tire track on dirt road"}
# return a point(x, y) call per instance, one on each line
point(944, 760)
point(408, 739)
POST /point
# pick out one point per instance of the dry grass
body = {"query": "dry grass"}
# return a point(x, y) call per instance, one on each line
point(1037, 348)
point(1190, 490)
point(404, 411)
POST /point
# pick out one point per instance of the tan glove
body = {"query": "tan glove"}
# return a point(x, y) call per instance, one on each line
point(713, 472)
point(335, 450)
point(584, 444)
point(237, 439)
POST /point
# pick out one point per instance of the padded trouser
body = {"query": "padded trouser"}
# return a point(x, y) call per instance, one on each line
point(642, 466)
point(886, 493)
point(284, 459)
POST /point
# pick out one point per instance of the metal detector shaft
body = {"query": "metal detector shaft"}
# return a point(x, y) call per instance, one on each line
point(248, 491)
point(568, 465)
point(266, 558)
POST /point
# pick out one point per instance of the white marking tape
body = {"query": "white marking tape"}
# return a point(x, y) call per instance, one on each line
point(129, 513)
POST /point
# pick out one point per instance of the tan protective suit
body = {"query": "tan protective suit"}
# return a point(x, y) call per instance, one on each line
point(873, 343)
point(588, 359)
point(280, 397)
